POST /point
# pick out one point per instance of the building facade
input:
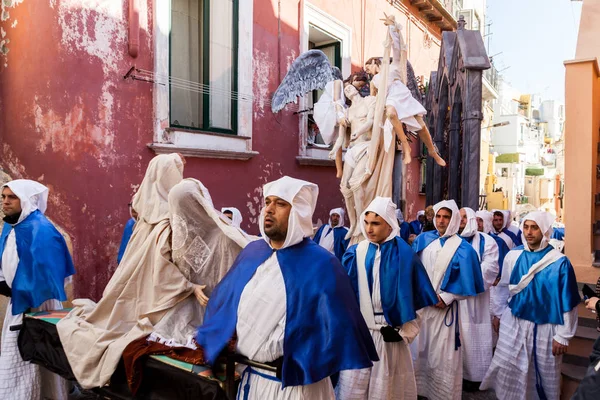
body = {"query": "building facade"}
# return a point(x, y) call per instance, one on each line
point(90, 91)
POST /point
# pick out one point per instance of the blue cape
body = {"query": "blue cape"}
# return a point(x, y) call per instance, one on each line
point(515, 238)
point(324, 332)
point(558, 233)
point(405, 285)
point(44, 262)
point(552, 292)
point(405, 231)
point(127, 232)
point(340, 244)
point(481, 248)
point(463, 275)
point(502, 251)
point(416, 227)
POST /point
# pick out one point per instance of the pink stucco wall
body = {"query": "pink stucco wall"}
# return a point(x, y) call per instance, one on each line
point(69, 120)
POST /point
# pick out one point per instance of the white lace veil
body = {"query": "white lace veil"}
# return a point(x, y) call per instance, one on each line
point(204, 245)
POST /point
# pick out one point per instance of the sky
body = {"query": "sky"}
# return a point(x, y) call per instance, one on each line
point(534, 38)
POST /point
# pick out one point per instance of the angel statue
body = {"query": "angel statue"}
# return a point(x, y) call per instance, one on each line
point(400, 106)
point(312, 71)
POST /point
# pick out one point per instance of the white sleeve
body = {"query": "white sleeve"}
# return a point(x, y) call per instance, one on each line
point(449, 297)
point(566, 331)
point(500, 294)
point(489, 262)
point(410, 330)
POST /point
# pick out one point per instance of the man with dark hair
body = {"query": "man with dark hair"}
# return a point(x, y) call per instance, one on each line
point(453, 267)
point(290, 304)
point(391, 285)
point(535, 310)
point(34, 263)
point(501, 224)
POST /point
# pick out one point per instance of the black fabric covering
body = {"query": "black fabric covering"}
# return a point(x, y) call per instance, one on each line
point(5, 290)
point(40, 344)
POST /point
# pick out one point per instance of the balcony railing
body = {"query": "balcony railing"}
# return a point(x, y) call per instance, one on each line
point(491, 75)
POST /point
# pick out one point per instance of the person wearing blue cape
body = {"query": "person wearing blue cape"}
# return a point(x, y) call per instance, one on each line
point(485, 225)
point(416, 226)
point(35, 262)
point(503, 229)
point(403, 225)
point(290, 303)
point(332, 236)
point(535, 309)
point(391, 284)
point(127, 232)
point(453, 268)
point(474, 315)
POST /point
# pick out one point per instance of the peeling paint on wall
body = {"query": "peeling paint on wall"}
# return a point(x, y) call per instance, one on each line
point(5, 16)
point(270, 171)
point(104, 30)
point(263, 68)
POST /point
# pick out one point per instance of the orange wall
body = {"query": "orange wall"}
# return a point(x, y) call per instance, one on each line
point(581, 156)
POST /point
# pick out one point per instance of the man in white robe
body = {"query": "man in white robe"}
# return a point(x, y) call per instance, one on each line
point(291, 304)
point(475, 321)
point(453, 267)
point(35, 262)
point(500, 224)
point(391, 286)
point(535, 306)
point(332, 236)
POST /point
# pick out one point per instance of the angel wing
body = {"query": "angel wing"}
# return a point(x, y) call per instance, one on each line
point(310, 71)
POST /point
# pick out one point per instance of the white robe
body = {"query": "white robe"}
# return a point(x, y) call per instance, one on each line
point(392, 377)
point(327, 239)
point(438, 367)
point(261, 329)
point(511, 373)
point(22, 380)
point(474, 315)
point(509, 242)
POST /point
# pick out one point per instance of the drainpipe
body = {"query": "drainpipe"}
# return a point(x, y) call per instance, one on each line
point(134, 28)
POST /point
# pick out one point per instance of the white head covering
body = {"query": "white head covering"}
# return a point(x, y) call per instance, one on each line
point(236, 218)
point(420, 212)
point(151, 200)
point(487, 218)
point(399, 215)
point(33, 196)
point(386, 209)
point(506, 215)
point(302, 195)
point(339, 211)
point(507, 218)
point(544, 220)
point(471, 227)
point(454, 225)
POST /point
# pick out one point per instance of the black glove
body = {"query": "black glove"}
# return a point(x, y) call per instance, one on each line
point(390, 335)
point(5, 290)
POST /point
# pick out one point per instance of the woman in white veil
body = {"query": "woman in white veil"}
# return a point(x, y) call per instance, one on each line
point(204, 247)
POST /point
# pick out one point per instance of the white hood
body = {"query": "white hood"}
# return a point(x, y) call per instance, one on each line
point(454, 225)
point(544, 220)
point(386, 209)
point(236, 219)
point(33, 196)
point(339, 211)
point(487, 218)
point(471, 227)
point(302, 195)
